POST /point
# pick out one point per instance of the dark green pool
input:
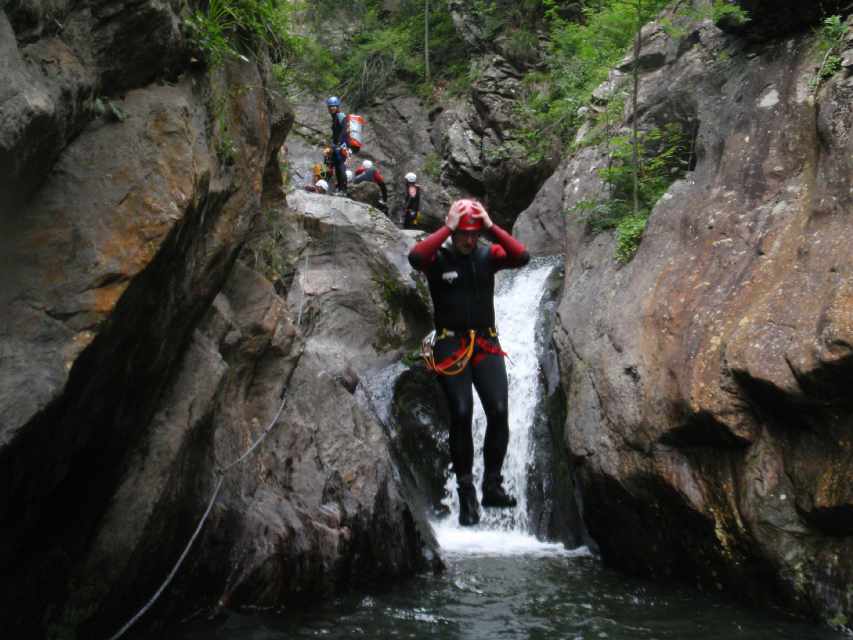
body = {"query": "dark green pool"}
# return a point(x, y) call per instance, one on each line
point(525, 592)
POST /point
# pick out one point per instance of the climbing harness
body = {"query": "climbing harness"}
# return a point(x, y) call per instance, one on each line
point(220, 473)
point(455, 363)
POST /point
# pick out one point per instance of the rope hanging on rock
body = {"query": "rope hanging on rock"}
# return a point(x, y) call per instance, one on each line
point(220, 473)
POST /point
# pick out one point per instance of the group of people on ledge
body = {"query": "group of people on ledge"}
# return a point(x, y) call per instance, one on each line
point(334, 168)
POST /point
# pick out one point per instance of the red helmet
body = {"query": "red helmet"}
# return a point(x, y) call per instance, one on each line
point(468, 222)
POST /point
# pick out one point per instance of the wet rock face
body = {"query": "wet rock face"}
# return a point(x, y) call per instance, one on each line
point(481, 156)
point(541, 227)
point(704, 379)
point(422, 427)
point(111, 264)
point(140, 355)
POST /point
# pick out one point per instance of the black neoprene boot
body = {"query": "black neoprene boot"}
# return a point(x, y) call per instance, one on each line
point(469, 510)
point(494, 495)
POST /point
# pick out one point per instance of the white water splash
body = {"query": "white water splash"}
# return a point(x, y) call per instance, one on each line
point(505, 531)
point(477, 541)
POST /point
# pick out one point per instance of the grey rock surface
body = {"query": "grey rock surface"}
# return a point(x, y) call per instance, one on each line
point(111, 265)
point(397, 140)
point(140, 355)
point(704, 379)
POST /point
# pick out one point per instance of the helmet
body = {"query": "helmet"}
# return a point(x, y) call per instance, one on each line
point(468, 222)
point(367, 164)
point(411, 177)
point(334, 101)
point(349, 174)
point(322, 184)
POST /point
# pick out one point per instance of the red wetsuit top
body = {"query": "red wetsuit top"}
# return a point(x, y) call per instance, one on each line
point(462, 287)
point(372, 174)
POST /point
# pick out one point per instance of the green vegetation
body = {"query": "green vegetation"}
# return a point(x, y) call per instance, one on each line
point(719, 12)
point(580, 55)
point(225, 147)
point(394, 298)
point(390, 47)
point(829, 40)
point(839, 621)
point(432, 165)
point(240, 28)
point(267, 250)
point(665, 156)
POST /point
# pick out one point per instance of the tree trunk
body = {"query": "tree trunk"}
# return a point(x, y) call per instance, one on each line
point(426, 38)
point(635, 152)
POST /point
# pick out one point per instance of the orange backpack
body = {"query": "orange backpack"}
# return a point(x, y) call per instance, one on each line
point(355, 130)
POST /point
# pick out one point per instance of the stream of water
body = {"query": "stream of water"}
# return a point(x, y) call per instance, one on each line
point(502, 582)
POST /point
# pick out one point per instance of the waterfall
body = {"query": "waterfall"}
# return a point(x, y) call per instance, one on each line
point(518, 308)
point(518, 297)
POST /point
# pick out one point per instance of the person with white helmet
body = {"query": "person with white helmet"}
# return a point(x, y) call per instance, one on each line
point(369, 171)
point(340, 141)
point(321, 186)
point(411, 201)
point(349, 176)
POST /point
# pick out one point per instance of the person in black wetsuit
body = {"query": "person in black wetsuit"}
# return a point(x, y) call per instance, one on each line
point(411, 201)
point(467, 352)
point(339, 141)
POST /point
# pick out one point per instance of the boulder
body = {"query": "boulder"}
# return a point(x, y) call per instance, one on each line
point(352, 284)
point(704, 379)
point(366, 193)
point(62, 64)
point(421, 424)
point(111, 265)
point(45, 100)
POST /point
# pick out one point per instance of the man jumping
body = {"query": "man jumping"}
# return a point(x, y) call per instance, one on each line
point(466, 351)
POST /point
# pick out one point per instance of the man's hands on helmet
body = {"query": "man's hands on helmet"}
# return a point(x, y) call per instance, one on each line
point(482, 214)
point(457, 210)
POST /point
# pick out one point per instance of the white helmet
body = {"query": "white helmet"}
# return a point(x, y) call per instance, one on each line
point(411, 177)
point(349, 174)
point(322, 184)
point(367, 164)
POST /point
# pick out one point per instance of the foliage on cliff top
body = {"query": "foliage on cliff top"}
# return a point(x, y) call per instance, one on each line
point(362, 49)
point(582, 52)
point(240, 28)
point(580, 55)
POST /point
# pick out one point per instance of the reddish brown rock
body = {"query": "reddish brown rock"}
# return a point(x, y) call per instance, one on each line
point(708, 381)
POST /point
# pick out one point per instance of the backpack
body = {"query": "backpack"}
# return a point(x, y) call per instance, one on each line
point(355, 132)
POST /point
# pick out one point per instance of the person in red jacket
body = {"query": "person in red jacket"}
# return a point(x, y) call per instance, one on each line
point(367, 171)
point(466, 351)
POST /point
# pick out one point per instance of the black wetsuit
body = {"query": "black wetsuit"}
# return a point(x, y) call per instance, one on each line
point(339, 138)
point(462, 290)
point(411, 206)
